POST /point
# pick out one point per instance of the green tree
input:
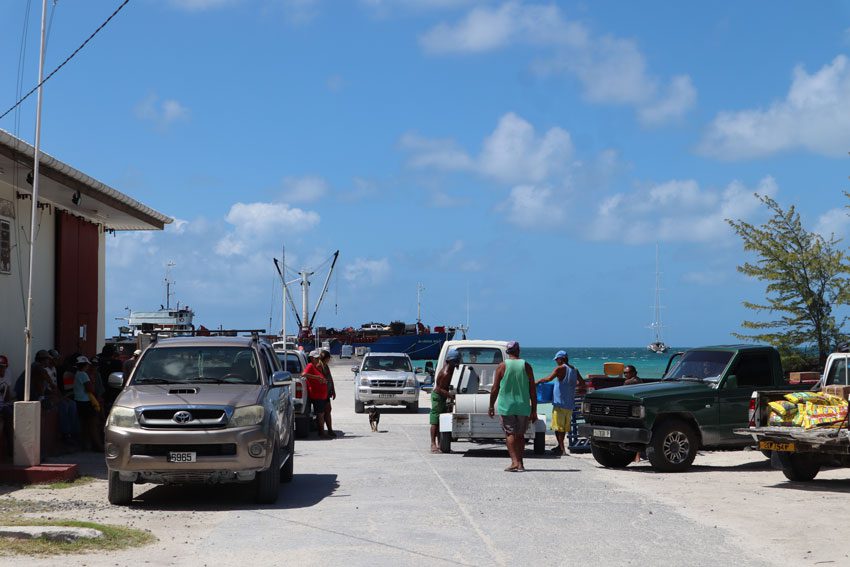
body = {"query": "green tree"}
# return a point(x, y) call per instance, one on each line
point(806, 276)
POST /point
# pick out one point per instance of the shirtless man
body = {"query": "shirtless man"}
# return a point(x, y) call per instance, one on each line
point(441, 394)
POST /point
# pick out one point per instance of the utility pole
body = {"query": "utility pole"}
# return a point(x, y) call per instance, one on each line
point(27, 414)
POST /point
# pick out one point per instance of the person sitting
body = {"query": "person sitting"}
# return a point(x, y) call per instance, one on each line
point(630, 372)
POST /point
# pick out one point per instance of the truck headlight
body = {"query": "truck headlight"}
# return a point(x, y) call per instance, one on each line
point(364, 382)
point(585, 407)
point(248, 415)
point(638, 412)
point(122, 417)
point(410, 382)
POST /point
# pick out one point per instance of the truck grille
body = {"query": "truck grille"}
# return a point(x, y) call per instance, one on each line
point(205, 450)
point(610, 408)
point(185, 417)
point(387, 383)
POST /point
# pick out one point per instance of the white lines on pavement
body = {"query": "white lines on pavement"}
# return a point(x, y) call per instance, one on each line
point(494, 553)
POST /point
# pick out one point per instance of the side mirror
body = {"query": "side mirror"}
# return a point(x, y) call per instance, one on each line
point(418, 371)
point(355, 369)
point(115, 380)
point(282, 378)
point(731, 382)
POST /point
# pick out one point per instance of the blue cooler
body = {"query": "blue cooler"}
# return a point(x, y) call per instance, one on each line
point(545, 392)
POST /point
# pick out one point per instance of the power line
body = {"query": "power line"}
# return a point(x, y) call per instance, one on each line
point(82, 45)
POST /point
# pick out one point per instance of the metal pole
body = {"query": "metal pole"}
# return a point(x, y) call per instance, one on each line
point(305, 297)
point(283, 316)
point(35, 178)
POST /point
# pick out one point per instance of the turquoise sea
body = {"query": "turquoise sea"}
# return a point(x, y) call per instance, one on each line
point(589, 360)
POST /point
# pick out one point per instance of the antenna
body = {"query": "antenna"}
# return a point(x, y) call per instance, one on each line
point(419, 289)
point(168, 283)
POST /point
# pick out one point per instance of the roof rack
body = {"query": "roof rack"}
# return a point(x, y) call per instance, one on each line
point(254, 333)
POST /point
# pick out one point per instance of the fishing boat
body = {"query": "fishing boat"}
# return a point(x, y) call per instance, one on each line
point(657, 345)
point(417, 340)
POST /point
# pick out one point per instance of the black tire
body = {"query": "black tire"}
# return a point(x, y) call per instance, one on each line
point(800, 468)
point(268, 481)
point(288, 469)
point(359, 407)
point(767, 453)
point(674, 446)
point(539, 443)
point(413, 407)
point(302, 427)
point(446, 442)
point(612, 458)
point(120, 491)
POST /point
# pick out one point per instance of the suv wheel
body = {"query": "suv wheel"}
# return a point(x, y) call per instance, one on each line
point(800, 468)
point(539, 443)
point(673, 447)
point(302, 427)
point(359, 407)
point(413, 407)
point(268, 481)
point(612, 458)
point(120, 491)
point(289, 466)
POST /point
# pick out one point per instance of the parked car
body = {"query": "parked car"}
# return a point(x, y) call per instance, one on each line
point(799, 452)
point(472, 382)
point(702, 398)
point(385, 378)
point(202, 410)
point(296, 362)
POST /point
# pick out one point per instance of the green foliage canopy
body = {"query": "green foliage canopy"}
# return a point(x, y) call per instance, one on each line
point(806, 275)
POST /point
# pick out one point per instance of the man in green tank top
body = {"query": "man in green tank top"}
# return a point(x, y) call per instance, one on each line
point(514, 396)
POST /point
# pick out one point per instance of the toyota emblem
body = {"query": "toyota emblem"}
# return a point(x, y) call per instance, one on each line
point(182, 417)
point(606, 409)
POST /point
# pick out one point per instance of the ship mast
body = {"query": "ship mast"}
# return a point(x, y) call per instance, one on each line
point(419, 289)
point(168, 283)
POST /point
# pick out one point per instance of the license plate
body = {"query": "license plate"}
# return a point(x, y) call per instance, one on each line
point(774, 446)
point(181, 457)
point(601, 433)
point(385, 395)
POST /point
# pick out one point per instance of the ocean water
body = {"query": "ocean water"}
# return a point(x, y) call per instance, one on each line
point(589, 360)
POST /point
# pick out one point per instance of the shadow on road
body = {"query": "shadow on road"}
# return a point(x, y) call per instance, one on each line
point(501, 453)
point(841, 485)
point(758, 466)
point(306, 490)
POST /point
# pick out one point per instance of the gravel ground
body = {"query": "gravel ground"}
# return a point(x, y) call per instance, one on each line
point(382, 499)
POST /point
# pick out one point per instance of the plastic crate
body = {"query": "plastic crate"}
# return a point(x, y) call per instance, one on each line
point(545, 392)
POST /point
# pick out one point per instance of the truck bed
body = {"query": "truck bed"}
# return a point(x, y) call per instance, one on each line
point(799, 440)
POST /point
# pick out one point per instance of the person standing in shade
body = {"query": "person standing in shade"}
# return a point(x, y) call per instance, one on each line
point(88, 406)
point(566, 377)
point(514, 396)
point(326, 370)
point(317, 388)
point(441, 394)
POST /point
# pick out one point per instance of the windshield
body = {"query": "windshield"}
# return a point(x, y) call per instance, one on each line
point(475, 355)
point(700, 364)
point(387, 363)
point(180, 365)
point(293, 363)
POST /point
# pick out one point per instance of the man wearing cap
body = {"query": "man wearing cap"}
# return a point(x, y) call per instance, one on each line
point(514, 396)
point(130, 363)
point(88, 406)
point(39, 378)
point(566, 377)
point(441, 394)
point(317, 388)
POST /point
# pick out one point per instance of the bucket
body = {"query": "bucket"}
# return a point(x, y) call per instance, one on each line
point(545, 392)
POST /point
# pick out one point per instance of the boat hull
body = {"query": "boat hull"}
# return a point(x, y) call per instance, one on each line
point(419, 347)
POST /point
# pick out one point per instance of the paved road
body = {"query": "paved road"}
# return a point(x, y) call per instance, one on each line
point(382, 499)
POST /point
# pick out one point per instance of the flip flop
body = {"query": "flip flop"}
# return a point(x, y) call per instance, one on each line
point(435, 451)
point(520, 469)
point(512, 469)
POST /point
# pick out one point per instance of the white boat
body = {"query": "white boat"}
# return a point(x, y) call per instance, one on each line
point(657, 345)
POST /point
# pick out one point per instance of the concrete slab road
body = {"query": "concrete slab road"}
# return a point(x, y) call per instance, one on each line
point(382, 499)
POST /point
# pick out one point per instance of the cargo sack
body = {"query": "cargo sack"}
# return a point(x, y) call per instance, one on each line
point(783, 408)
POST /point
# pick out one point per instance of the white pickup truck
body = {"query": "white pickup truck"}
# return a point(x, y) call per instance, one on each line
point(472, 382)
point(800, 452)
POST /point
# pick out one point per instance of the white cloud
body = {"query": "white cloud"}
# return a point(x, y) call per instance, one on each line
point(533, 207)
point(512, 153)
point(814, 116)
point(676, 211)
point(161, 113)
point(305, 189)
point(706, 277)
point(254, 224)
point(367, 272)
point(833, 222)
point(611, 70)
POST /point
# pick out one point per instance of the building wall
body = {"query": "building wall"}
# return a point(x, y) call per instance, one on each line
point(13, 286)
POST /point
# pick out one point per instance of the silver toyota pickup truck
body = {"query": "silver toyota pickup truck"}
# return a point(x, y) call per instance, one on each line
point(202, 410)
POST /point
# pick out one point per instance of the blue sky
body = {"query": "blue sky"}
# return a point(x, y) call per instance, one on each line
point(531, 152)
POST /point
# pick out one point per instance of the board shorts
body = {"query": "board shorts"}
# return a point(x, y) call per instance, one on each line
point(438, 406)
point(319, 406)
point(514, 424)
point(561, 419)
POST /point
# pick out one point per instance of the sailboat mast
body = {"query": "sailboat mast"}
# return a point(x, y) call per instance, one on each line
point(657, 320)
